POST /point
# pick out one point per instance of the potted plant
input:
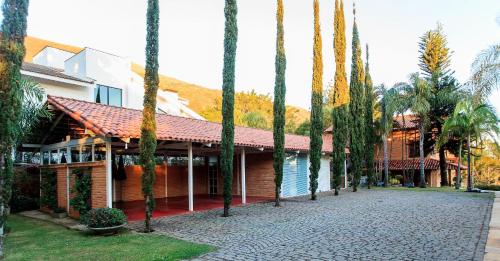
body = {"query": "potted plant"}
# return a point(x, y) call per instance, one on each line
point(104, 221)
point(59, 212)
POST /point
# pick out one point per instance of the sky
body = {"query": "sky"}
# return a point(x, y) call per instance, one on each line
point(192, 31)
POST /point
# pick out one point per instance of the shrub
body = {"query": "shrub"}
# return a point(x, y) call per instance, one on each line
point(399, 177)
point(104, 217)
point(83, 184)
point(488, 187)
point(394, 181)
point(48, 187)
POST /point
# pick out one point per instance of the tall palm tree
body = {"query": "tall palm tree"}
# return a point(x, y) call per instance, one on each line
point(418, 92)
point(387, 105)
point(474, 122)
point(485, 73)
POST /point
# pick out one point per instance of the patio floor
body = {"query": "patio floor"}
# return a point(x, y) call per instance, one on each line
point(179, 205)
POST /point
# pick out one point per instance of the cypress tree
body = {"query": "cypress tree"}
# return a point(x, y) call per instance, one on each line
point(316, 140)
point(369, 129)
point(279, 104)
point(227, 135)
point(148, 127)
point(12, 52)
point(356, 108)
point(340, 112)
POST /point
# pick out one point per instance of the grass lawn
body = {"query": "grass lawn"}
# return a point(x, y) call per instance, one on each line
point(38, 240)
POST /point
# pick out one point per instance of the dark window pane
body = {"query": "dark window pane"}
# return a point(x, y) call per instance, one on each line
point(102, 91)
point(100, 152)
point(75, 154)
point(45, 158)
point(87, 153)
point(115, 97)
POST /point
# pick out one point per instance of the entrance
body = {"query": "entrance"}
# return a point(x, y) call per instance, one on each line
point(212, 175)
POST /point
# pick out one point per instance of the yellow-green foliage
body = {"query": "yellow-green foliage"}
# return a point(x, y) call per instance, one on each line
point(341, 90)
point(340, 110)
point(316, 140)
point(435, 56)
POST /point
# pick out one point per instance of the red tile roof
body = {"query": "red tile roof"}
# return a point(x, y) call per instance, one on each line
point(410, 122)
point(123, 122)
point(429, 164)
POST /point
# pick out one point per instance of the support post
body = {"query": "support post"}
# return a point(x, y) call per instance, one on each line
point(68, 179)
point(345, 174)
point(243, 177)
point(109, 177)
point(190, 176)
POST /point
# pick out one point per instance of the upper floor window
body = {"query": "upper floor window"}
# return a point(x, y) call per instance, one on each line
point(108, 95)
point(414, 149)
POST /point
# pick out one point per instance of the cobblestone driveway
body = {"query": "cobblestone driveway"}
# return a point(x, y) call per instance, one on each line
point(367, 225)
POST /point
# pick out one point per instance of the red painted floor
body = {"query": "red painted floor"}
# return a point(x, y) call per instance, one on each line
point(179, 205)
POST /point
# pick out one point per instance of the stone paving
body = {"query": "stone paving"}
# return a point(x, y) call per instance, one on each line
point(367, 225)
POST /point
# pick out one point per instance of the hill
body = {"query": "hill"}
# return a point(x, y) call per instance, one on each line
point(251, 109)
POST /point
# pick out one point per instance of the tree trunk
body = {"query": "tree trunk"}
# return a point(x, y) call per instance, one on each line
point(403, 150)
point(459, 175)
point(469, 174)
point(2, 206)
point(421, 148)
point(442, 167)
point(386, 161)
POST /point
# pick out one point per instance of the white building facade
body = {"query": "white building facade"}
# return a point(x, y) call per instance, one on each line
point(97, 76)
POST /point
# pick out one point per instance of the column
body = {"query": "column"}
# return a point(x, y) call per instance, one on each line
point(243, 178)
point(109, 177)
point(345, 174)
point(190, 176)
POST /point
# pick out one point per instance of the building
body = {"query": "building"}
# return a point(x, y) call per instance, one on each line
point(96, 76)
point(403, 148)
point(93, 137)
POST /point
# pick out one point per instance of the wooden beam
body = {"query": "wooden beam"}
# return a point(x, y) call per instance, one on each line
point(52, 127)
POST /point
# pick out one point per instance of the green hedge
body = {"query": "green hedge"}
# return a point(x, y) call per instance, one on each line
point(488, 187)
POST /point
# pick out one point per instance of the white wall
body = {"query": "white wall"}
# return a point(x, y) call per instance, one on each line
point(52, 57)
point(76, 65)
point(324, 174)
point(66, 90)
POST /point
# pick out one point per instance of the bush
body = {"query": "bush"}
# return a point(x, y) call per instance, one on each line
point(488, 187)
point(104, 217)
point(49, 190)
point(82, 191)
point(19, 202)
point(394, 181)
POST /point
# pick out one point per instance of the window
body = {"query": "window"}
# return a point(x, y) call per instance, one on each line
point(108, 95)
point(414, 151)
point(75, 154)
point(100, 152)
point(87, 153)
point(54, 157)
point(45, 158)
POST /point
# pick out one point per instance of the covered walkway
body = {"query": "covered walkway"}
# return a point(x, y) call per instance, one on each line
point(179, 205)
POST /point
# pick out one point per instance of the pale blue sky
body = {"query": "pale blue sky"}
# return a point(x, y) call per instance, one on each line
point(191, 36)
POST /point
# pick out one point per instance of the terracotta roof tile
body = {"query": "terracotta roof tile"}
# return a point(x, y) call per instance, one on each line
point(429, 164)
point(123, 122)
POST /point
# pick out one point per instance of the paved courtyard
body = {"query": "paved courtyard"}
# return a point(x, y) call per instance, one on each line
point(367, 225)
